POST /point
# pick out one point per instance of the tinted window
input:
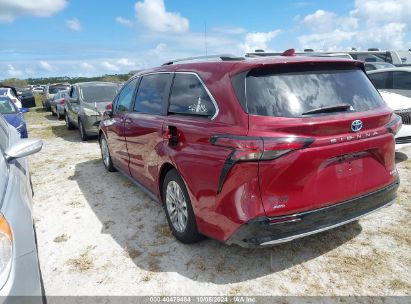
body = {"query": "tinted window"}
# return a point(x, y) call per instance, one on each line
point(98, 93)
point(3, 92)
point(289, 94)
point(53, 89)
point(381, 80)
point(7, 107)
point(188, 96)
point(125, 97)
point(73, 93)
point(151, 93)
point(402, 81)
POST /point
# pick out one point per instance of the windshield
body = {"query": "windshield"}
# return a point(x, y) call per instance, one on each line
point(7, 107)
point(290, 94)
point(55, 88)
point(99, 93)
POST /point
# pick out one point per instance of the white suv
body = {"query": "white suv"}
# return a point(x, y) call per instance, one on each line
point(402, 107)
point(12, 94)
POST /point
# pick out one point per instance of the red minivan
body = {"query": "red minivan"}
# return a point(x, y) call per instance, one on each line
point(255, 151)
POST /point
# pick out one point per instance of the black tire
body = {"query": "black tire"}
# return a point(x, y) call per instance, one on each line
point(82, 131)
point(190, 233)
point(69, 124)
point(108, 164)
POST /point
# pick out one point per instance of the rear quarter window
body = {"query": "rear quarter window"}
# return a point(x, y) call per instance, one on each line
point(291, 93)
point(189, 97)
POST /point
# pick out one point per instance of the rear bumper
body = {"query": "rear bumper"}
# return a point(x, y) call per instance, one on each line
point(265, 231)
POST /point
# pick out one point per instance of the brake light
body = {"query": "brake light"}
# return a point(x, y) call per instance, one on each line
point(109, 107)
point(395, 125)
point(246, 148)
point(61, 101)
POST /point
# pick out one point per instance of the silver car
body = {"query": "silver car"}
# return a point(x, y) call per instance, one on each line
point(19, 267)
point(85, 105)
point(57, 104)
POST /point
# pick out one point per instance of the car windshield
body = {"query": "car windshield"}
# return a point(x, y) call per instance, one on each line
point(53, 89)
point(3, 92)
point(7, 107)
point(292, 93)
point(99, 93)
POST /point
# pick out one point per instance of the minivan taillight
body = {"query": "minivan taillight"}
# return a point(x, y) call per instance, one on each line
point(395, 125)
point(247, 148)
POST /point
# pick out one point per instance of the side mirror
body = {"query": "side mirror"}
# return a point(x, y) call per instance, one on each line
point(23, 147)
point(24, 110)
point(109, 110)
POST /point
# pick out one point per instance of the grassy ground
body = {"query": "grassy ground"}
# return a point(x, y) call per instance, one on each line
point(38, 100)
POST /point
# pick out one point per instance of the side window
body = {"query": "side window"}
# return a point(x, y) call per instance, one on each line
point(152, 91)
point(125, 98)
point(73, 93)
point(189, 97)
point(402, 81)
point(380, 80)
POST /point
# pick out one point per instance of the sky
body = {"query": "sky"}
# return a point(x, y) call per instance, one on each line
point(44, 38)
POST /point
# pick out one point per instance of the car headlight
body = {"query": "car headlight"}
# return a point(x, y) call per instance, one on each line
point(90, 112)
point(6, 250)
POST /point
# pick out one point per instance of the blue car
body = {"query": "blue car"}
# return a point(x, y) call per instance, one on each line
point(14, 115)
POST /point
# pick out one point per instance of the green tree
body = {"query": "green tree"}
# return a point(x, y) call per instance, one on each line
point(14, 82)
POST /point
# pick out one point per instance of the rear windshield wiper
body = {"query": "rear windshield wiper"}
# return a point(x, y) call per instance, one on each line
point(328, 109)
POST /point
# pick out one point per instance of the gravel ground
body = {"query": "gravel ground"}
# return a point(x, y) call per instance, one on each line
point(100, 235)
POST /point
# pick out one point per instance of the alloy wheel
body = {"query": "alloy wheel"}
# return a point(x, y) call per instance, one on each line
point(176, 206)
point(105, 153)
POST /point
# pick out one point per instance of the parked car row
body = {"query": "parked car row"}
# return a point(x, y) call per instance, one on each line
point(235, 150)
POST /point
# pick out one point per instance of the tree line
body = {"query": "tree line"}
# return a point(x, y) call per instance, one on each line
point(21, 83)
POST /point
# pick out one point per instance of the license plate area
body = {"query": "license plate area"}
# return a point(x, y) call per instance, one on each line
point(349, 165)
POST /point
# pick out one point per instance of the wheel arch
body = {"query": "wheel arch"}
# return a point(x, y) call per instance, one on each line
point(165, 168)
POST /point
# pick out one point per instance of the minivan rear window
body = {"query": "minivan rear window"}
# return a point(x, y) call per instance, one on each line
point(53, 89)
point(292, 93)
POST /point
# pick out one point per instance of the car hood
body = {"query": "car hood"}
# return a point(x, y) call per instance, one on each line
point(14, 119)
point(396, 101)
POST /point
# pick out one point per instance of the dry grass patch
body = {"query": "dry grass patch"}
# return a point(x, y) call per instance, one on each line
point(83, 262)
point(61, 238)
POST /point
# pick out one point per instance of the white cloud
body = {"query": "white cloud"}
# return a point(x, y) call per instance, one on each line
point(46, 66)
point(371, 23)
point(124, 21)
point(13, 72)
point(229, 30)
point(254, 41)
point(109, 66)
point(87, 66)
point(323, 21)
point(125, 62)
point(10, 9)
point(153, 15)
point(326, 41)
point(74, 24)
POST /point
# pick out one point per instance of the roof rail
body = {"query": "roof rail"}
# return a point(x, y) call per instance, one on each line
point(223, 57)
